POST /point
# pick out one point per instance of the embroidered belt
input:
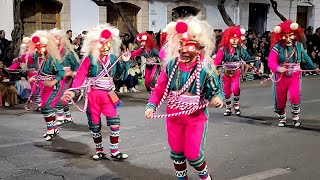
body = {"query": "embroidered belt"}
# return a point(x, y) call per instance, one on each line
point(106, 84)
point(182, 102)
point(292, 68)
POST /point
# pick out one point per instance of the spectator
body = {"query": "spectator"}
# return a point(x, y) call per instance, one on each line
point(69, 36)
point(132, 79)
point(8, 58)
point(3, 43)
point(315, 41)
point(7, 89)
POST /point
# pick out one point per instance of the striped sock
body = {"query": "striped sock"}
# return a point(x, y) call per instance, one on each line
point(67, 113)
point(50, 121)
point(114, 139)
point(203, 171)
point(60, 114)
point(97, 139)
point(181, 169)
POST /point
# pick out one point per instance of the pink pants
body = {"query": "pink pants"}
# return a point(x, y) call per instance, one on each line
point(231, 85)
point(50, 96)
point(99, 102)
point(150, 76)
point(65, 84)
point(186, 134)
point(287, 84)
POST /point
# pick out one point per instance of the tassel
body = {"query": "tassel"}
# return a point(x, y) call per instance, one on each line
point(115, 99)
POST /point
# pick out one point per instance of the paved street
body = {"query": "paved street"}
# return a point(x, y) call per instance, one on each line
point(250, 147)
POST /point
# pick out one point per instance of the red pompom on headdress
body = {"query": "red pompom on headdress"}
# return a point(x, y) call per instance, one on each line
point(286, 27)
point(231, 32)
point(35, 39)
point(181, 27)
point(150, 41)
point(105, 35)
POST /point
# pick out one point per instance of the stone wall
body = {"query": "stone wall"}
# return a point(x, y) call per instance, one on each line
point(65, 18)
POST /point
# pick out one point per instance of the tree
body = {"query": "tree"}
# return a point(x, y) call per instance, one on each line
point(274, 6)
point(17, 30)
point(225, 16)
point(108, 3)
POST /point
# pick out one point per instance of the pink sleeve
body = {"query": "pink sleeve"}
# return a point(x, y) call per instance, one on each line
point(136, 53)
point(160, 88)
point(161, 54)
point(15, 65)
point(218, 58)
point(273, 61)
point(81, 73)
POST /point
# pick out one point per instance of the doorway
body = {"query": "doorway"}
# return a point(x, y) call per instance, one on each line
point(184, 11)
point(302, 16)
point(258, 17)
point(39, 14)
point(130, 10)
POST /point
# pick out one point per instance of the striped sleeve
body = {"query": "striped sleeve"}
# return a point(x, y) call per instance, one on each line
point(212, 86)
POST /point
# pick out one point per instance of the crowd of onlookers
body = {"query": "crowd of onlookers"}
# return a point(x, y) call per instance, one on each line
point(14, 87)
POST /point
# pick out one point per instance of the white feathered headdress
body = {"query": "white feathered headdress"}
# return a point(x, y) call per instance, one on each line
point(102, 33)
point(44, 39)
point(188, 29)
point(63, 40)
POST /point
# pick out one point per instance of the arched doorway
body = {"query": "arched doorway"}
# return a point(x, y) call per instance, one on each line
point(39, 14)
point(130, 10)
point(184, 11)
point(179, 9)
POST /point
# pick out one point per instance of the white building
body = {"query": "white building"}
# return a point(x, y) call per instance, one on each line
point(79, 15)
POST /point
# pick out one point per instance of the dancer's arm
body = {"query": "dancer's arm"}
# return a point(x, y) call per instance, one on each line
point(15, 65)
point(212, 86)
point(136, 53)
point(219, 56)
point(246, 56)
point(273, 60)
point(58, 68)
point(82, 73)
point(306, 59)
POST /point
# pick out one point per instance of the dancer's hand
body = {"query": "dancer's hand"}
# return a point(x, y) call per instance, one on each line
point(68, 73)
point(67, 96)
point(282, 70)
point(148, 113)
point(31, 80)
point(50, 83)
point(216, 102)
point(317, 70)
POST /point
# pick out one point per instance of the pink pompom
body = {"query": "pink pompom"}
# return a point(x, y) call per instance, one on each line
point(35, 39)
point(106, 34)
point(181, 27)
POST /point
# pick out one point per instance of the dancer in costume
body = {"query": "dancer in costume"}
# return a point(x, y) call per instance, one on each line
point(25, 63)
point(50, 75)
point(150, 51)
point(231, 53)
point(284, 61)
point(189, 84)
point(96, 72)
point(70, 63)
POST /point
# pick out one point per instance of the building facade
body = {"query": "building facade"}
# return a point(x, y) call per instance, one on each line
point(80, 15)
